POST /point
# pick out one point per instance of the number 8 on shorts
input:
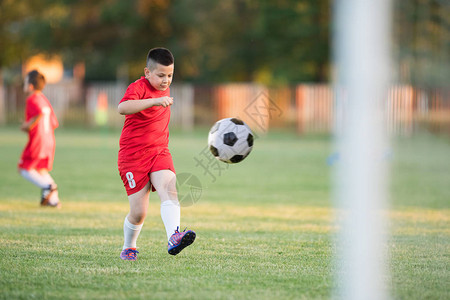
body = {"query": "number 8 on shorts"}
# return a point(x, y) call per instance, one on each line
point(131, 181)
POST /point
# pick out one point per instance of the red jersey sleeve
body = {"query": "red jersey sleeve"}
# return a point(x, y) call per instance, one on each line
point(33, 108)
point(134, 92)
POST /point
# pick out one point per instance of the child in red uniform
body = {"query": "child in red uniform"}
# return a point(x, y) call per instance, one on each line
point(37, 157)
point(145, 162)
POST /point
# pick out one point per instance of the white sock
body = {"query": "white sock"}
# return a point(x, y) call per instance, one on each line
point(170, 214)
point(130, 233)
point(35, 178)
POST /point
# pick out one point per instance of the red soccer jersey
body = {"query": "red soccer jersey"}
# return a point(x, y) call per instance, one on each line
point(41, 137)
point(145, 132)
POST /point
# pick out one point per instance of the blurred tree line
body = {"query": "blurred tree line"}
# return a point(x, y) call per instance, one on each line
point(267, 41)
point(421, 41)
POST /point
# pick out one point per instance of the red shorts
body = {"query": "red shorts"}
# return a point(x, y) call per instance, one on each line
point(37, 163)
point(136, 174)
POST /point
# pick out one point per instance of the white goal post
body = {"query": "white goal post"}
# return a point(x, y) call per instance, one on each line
point(362, 59)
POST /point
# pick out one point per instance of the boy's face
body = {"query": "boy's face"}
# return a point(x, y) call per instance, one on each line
point(161, 77)
point(27, 87)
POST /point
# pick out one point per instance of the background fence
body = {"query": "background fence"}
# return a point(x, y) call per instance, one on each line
point(306, 108)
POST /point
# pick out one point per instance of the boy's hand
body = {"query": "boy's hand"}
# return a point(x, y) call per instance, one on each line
point(25, 127)
point(164, 101)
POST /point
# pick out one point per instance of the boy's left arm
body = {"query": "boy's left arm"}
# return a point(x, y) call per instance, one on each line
point(130, 107)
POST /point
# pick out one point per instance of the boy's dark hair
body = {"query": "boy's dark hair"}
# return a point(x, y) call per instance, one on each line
point(161, 56)
point(36, 79)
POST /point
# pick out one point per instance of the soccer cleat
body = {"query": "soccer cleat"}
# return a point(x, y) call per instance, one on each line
point(129, 254)
point(180, 240)
point(46, 195)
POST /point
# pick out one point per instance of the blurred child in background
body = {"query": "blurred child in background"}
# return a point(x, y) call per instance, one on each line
point(40, 122)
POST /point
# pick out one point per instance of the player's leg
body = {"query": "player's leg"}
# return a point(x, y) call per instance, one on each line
point(43, 180)
point(164, 181)
point(35, 178)
point(134, 221)
point(139, 205)
point(46, 175)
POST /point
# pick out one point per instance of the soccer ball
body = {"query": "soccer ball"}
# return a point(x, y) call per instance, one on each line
point(230, 140)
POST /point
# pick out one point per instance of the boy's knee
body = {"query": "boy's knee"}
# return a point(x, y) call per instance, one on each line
point(137, 217)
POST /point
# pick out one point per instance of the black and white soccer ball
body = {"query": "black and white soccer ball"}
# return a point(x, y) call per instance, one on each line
point(230, 140)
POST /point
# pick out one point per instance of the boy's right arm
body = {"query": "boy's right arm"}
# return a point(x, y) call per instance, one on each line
point(130, 107)
point(27, 126)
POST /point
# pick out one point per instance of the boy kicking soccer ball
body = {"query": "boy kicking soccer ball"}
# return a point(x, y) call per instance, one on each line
point(40, 122)
point(145, 163)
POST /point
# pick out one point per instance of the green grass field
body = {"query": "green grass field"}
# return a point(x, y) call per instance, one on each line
point(265, 227)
